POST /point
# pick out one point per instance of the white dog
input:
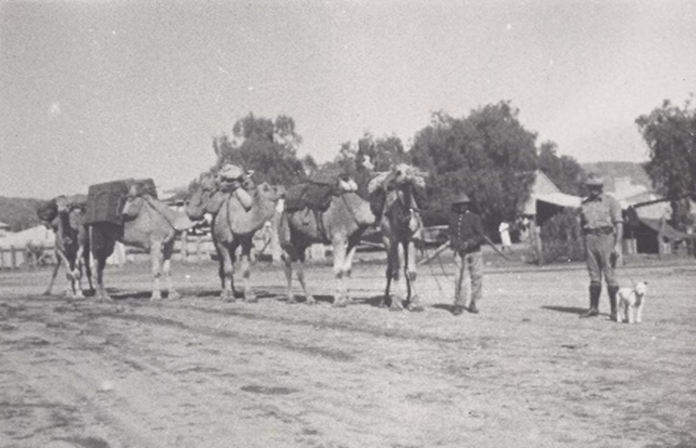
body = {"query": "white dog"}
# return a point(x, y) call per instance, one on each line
point(631, 301)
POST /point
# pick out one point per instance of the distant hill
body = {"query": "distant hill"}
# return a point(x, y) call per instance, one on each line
point(611, 171)
point(19, 213)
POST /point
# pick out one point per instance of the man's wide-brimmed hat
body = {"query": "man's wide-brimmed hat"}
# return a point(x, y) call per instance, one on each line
point(594, 180)
point(461, 199)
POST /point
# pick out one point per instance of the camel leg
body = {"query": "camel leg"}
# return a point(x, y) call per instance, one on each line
point(167, 269)
point(98, 264)
point(339, 252)
point(156, 259)
point(301, 278)
point(414, 302)
point(287, 264)
point(348, 270)
point(77, 280)
point(397, 296)
point(245, 266)
point(53, 277)
point(227, 275)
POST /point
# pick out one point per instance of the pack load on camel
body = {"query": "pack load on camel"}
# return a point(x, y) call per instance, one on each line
point(317, 192)
point(105, 201)
point(130, 212)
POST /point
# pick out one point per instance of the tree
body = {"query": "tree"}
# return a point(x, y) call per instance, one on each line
point(670, 133)
point(489, 155)
point(565, 172)
point(265, 146)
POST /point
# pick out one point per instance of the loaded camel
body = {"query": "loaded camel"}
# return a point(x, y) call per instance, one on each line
point(237, 215)
point(401, 227)
point(65, 216)
point(147, 224)
point(341, 224)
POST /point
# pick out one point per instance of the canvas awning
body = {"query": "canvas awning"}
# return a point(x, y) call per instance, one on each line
point(560, 199)
point(668, 231)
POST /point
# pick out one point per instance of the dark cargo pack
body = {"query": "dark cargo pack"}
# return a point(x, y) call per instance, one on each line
point(105, 201)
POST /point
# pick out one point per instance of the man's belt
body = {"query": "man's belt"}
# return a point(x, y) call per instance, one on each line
point(599, 231)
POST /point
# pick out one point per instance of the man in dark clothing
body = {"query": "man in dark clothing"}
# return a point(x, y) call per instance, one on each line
point(602, 226)
point(466, 238)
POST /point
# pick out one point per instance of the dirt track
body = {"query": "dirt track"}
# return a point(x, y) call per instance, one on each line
point(196, 372)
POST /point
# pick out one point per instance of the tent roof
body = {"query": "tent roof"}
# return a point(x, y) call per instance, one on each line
point(39, 235)
point(668, 231)
point(560, 199)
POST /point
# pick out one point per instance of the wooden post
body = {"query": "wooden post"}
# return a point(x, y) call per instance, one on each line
point(198, 248)
point(13, 257)
point(2, 259)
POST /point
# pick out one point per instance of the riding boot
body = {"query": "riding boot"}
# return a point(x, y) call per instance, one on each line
point(595, 292)
point(612, 290)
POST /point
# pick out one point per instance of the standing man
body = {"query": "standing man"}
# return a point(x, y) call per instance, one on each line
point(602, 226)
point(466, 238)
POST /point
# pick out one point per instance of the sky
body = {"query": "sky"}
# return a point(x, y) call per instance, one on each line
point(94, 91)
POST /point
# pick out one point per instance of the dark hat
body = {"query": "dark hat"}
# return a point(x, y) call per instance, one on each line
point(461, 198)
point(594, 180)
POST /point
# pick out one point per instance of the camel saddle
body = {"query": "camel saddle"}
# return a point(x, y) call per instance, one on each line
point(105, 201)
point(315, 194)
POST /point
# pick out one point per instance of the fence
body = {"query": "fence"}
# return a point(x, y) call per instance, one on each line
point(29, 256)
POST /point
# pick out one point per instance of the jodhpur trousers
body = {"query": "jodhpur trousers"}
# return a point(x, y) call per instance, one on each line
point(599, 259)
point(468, 281)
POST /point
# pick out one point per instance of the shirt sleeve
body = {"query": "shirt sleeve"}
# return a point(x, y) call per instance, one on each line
point(615, 209)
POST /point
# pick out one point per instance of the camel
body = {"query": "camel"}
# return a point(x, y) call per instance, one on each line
point(65, 216)
point(148, 224)
point(342, 224)
point(401, 227)
point(233, 226)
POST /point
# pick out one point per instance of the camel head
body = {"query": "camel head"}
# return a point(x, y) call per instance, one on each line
point(134, 202)
point(47, 212)
point(197, 204)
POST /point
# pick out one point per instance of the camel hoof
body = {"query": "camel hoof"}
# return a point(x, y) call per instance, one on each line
point(415, 308)
point(250, 297)
point(291, 300)
point(174, 295)
point(227, 298)
point(46, 293)
point(311, 301)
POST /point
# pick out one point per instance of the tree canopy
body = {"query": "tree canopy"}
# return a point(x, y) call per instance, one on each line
point(488, 154)
point(564, 171)
point(670, 133)
point(268, 147)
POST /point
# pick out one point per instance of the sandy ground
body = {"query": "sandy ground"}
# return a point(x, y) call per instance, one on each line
point(196, 372)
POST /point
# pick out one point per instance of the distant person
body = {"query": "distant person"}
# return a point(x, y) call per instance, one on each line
point(504, 230)
point(602, 225)
point(466, 238)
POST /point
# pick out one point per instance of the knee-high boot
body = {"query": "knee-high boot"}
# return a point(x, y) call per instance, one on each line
point(595, 292)
point(612, 290)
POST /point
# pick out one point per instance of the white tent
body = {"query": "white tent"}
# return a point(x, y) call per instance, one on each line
point(37, 236)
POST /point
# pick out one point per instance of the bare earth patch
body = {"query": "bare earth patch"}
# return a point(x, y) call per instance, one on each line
point(197, 372)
